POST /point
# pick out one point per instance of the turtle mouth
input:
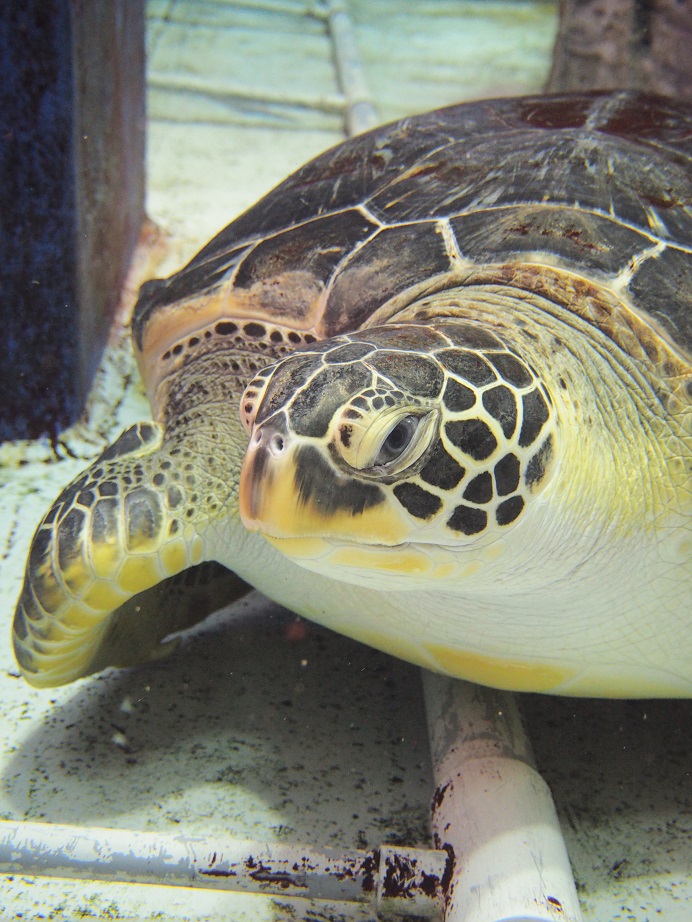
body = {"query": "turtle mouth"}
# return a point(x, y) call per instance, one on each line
point(405, 565)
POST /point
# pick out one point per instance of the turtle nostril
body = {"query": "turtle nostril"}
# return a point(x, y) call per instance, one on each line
point(269, 440)
point(277, 445)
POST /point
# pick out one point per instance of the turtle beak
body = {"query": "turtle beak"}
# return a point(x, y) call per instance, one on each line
point(288, 489)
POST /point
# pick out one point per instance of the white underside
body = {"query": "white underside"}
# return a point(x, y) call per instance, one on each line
point(617, 626)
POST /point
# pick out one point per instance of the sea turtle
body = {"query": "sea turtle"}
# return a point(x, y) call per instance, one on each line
point(433, 391)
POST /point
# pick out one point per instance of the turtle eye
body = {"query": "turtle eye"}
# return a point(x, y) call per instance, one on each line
point(384, 444)
point(401, 443)
point(397, 440)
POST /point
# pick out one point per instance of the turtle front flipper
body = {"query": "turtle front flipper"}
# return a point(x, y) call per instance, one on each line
point(117, 530)
point(135, 632)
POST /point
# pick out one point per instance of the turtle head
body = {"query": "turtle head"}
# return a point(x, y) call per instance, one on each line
point(402, 449)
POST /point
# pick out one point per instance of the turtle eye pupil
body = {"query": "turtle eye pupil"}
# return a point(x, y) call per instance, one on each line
point(398, 440)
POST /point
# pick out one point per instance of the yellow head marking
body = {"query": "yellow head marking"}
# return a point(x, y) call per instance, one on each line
point(299, 496)
point(405, 560)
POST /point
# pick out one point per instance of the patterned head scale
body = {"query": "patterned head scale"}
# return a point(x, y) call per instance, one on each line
point(395, 439)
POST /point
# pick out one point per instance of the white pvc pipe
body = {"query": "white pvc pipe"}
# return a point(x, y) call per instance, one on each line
point(402, 880)
point(492, 811)
point(360, 111)
point(225, 91)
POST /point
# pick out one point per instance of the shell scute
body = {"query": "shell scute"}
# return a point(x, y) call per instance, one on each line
point(302, 260)
point(395, 260)
point(595, 184)
point(581, 239)
point(664, 283)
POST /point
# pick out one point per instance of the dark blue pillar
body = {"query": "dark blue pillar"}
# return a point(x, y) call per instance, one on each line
point(72, 126)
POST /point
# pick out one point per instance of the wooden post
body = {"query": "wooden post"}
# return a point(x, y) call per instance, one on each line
point(72, 127)
point(624, 44)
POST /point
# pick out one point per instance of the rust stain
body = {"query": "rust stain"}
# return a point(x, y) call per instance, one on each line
point(439, 794)
point(264, 874)
point(448, 874)
point(369, 869)
point(215, 872)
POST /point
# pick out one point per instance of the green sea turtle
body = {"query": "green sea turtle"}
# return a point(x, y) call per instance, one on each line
point(433, 391)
